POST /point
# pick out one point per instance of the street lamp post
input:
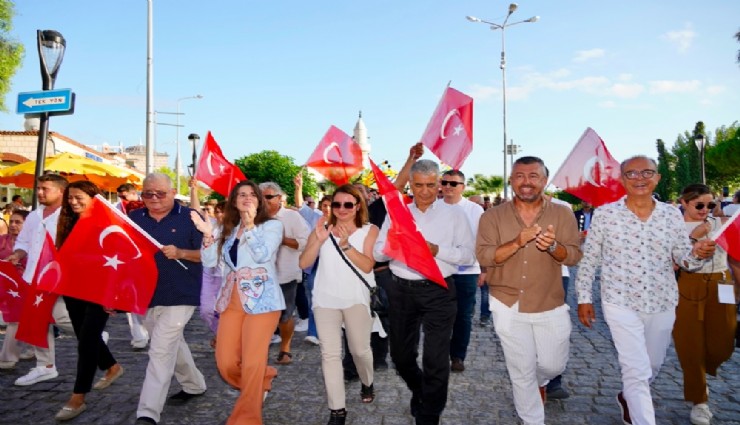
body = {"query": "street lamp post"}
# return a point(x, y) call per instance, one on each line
point(51, 46)
point(194, 140)
point(700, 141)
point(512, 150)
point(177, 139)
point(502, 27)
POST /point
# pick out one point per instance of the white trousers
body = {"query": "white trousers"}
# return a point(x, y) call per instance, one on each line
point(139, 334)
point(168, 354)
point(46, 356)
point(641, 340)
point(536, 348)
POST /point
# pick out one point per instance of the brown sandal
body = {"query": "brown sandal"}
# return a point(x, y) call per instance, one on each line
point(284, 358)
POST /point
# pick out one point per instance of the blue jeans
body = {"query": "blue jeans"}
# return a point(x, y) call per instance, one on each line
point(308, 280)
point(485, 311)
point(466, 286)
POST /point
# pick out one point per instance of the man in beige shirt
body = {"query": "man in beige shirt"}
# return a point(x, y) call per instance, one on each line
point(523, 245)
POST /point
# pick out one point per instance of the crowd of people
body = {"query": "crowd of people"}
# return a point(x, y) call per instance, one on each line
point(249, 261)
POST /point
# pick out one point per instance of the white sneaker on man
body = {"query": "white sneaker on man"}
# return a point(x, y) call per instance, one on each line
point(311, 340)
point(139, 344)
point(276, 339)
point(700, 414)
point(105, 335)
point(301, 325)
point(37, 374)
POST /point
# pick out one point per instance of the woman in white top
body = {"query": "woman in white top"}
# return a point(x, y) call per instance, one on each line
point(340, 297)
point(704, 330)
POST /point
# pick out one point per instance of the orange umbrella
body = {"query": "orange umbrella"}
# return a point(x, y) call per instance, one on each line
point(74, 167)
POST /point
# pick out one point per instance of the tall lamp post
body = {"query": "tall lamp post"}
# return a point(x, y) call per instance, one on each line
point(50, 45)
point(700, 141)
point(502, 26)
point(194, 140)
point(511, 150)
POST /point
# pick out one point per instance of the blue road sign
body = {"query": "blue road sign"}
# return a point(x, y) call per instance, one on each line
point(36, 102)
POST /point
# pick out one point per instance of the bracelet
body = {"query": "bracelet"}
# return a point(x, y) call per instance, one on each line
point(693, 240)
point(346, 248)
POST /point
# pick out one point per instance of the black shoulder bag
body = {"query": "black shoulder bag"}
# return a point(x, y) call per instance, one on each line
point(377, 306)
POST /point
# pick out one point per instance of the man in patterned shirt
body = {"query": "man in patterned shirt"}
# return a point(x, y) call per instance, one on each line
point(636, 240)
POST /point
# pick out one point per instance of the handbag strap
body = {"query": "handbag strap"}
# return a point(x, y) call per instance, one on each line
point(349, 263)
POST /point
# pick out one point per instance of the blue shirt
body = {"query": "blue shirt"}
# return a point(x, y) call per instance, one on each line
point(175, 285)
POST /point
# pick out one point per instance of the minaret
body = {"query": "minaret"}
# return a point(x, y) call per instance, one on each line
point(360, 137)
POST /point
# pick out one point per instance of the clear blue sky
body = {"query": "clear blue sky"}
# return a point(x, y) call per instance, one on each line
point(277, 74)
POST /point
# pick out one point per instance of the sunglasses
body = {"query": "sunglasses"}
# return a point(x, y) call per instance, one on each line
point(449, 182)
point(700, 205)
point(634, 174)
point(149, 194)
point(346, 205)
point(270, 197)
point(311, 203)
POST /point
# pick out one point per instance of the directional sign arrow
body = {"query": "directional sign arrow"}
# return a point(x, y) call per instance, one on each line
point(58, 101)
point(31, 102)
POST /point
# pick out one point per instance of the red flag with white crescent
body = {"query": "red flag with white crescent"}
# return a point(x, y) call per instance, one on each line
point(590, 172)
point(117, 257)
point(404, 242)
point(215, 171)
point(449, 134)
point(12, 291)
point(728, 236)
point(38, 304)
point(337, 157)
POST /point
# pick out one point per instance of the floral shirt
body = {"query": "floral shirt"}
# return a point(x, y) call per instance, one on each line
point(636, 257)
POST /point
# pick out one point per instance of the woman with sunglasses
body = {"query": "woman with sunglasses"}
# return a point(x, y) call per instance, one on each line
point(339, 295)
point(704, 330)
point(250, 299)
point(88, 319)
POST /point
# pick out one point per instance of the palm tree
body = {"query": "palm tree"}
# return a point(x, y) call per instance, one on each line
point(486, 185)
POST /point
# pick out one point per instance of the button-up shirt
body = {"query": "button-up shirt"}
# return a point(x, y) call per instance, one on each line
point(443, 225)
point(32, 236)
point(295, 227)
point(530, 276)
point(636, 257)
point(472, 212)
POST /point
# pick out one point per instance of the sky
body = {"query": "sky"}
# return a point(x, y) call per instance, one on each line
point(275, 75)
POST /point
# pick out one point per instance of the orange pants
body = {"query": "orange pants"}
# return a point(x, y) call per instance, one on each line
point(243, 342)
point(704, 331)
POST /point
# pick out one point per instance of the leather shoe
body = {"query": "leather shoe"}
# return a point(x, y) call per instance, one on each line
point(67, 413)
point(145, 420)
point(104, 382)
point(457, 365)
point(181, 398)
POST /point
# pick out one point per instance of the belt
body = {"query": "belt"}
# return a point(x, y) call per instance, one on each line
point(380, 269)
point(415, 283)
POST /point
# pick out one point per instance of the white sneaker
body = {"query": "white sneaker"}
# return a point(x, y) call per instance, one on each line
point(139, 343)
point(276, 339)
point(105, 336)
point(311, 340)
point(301, 325)
point(700, 414)
point(37, 374)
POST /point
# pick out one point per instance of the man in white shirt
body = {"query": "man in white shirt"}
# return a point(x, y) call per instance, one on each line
point(295, 236)
point(467, 278)
point(730, 209)
point(416, 301)
point(636, 241)
point(28, 245)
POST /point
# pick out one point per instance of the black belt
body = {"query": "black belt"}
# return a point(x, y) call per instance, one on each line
point(414, 283)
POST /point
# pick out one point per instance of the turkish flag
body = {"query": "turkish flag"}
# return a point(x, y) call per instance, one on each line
point(728, 236)
point(337, 157)
point(449, 134)
point(215, 170)
point(12, 291)
point(404, 242)
point(116, 257)
point(38, 304)
point(590, 172)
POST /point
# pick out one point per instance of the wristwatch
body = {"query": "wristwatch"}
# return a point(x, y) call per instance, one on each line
point(346, 248)
point(552, 247)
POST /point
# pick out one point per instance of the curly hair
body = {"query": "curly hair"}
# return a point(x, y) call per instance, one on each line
point(231, 214)
point(67, 217)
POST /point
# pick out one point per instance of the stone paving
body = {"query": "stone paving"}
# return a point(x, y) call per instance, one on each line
point(480, 395)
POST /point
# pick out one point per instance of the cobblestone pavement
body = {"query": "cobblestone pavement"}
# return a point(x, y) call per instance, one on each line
point(480, 395)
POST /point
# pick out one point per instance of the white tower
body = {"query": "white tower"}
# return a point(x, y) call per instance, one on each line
point(360, 137)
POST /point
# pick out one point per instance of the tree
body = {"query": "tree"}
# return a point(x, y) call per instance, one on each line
point(737, 36)
point(271, 166)
point(486, 185)
point(184, 187)
point(723, 157)
point(666, 163)
point(11, 51)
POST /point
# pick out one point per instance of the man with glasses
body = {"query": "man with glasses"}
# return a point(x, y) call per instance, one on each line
point(467, 279)
point(523, 245)
point(295, 236)
point(636, 241)
point(174, 301)
point(417, 302)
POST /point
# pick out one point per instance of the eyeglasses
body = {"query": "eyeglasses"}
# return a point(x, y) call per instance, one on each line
point(270, 197)
point(700, 205)
point(450, 182)
point(149, 194)
point(634, 174)
point(346, 205)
